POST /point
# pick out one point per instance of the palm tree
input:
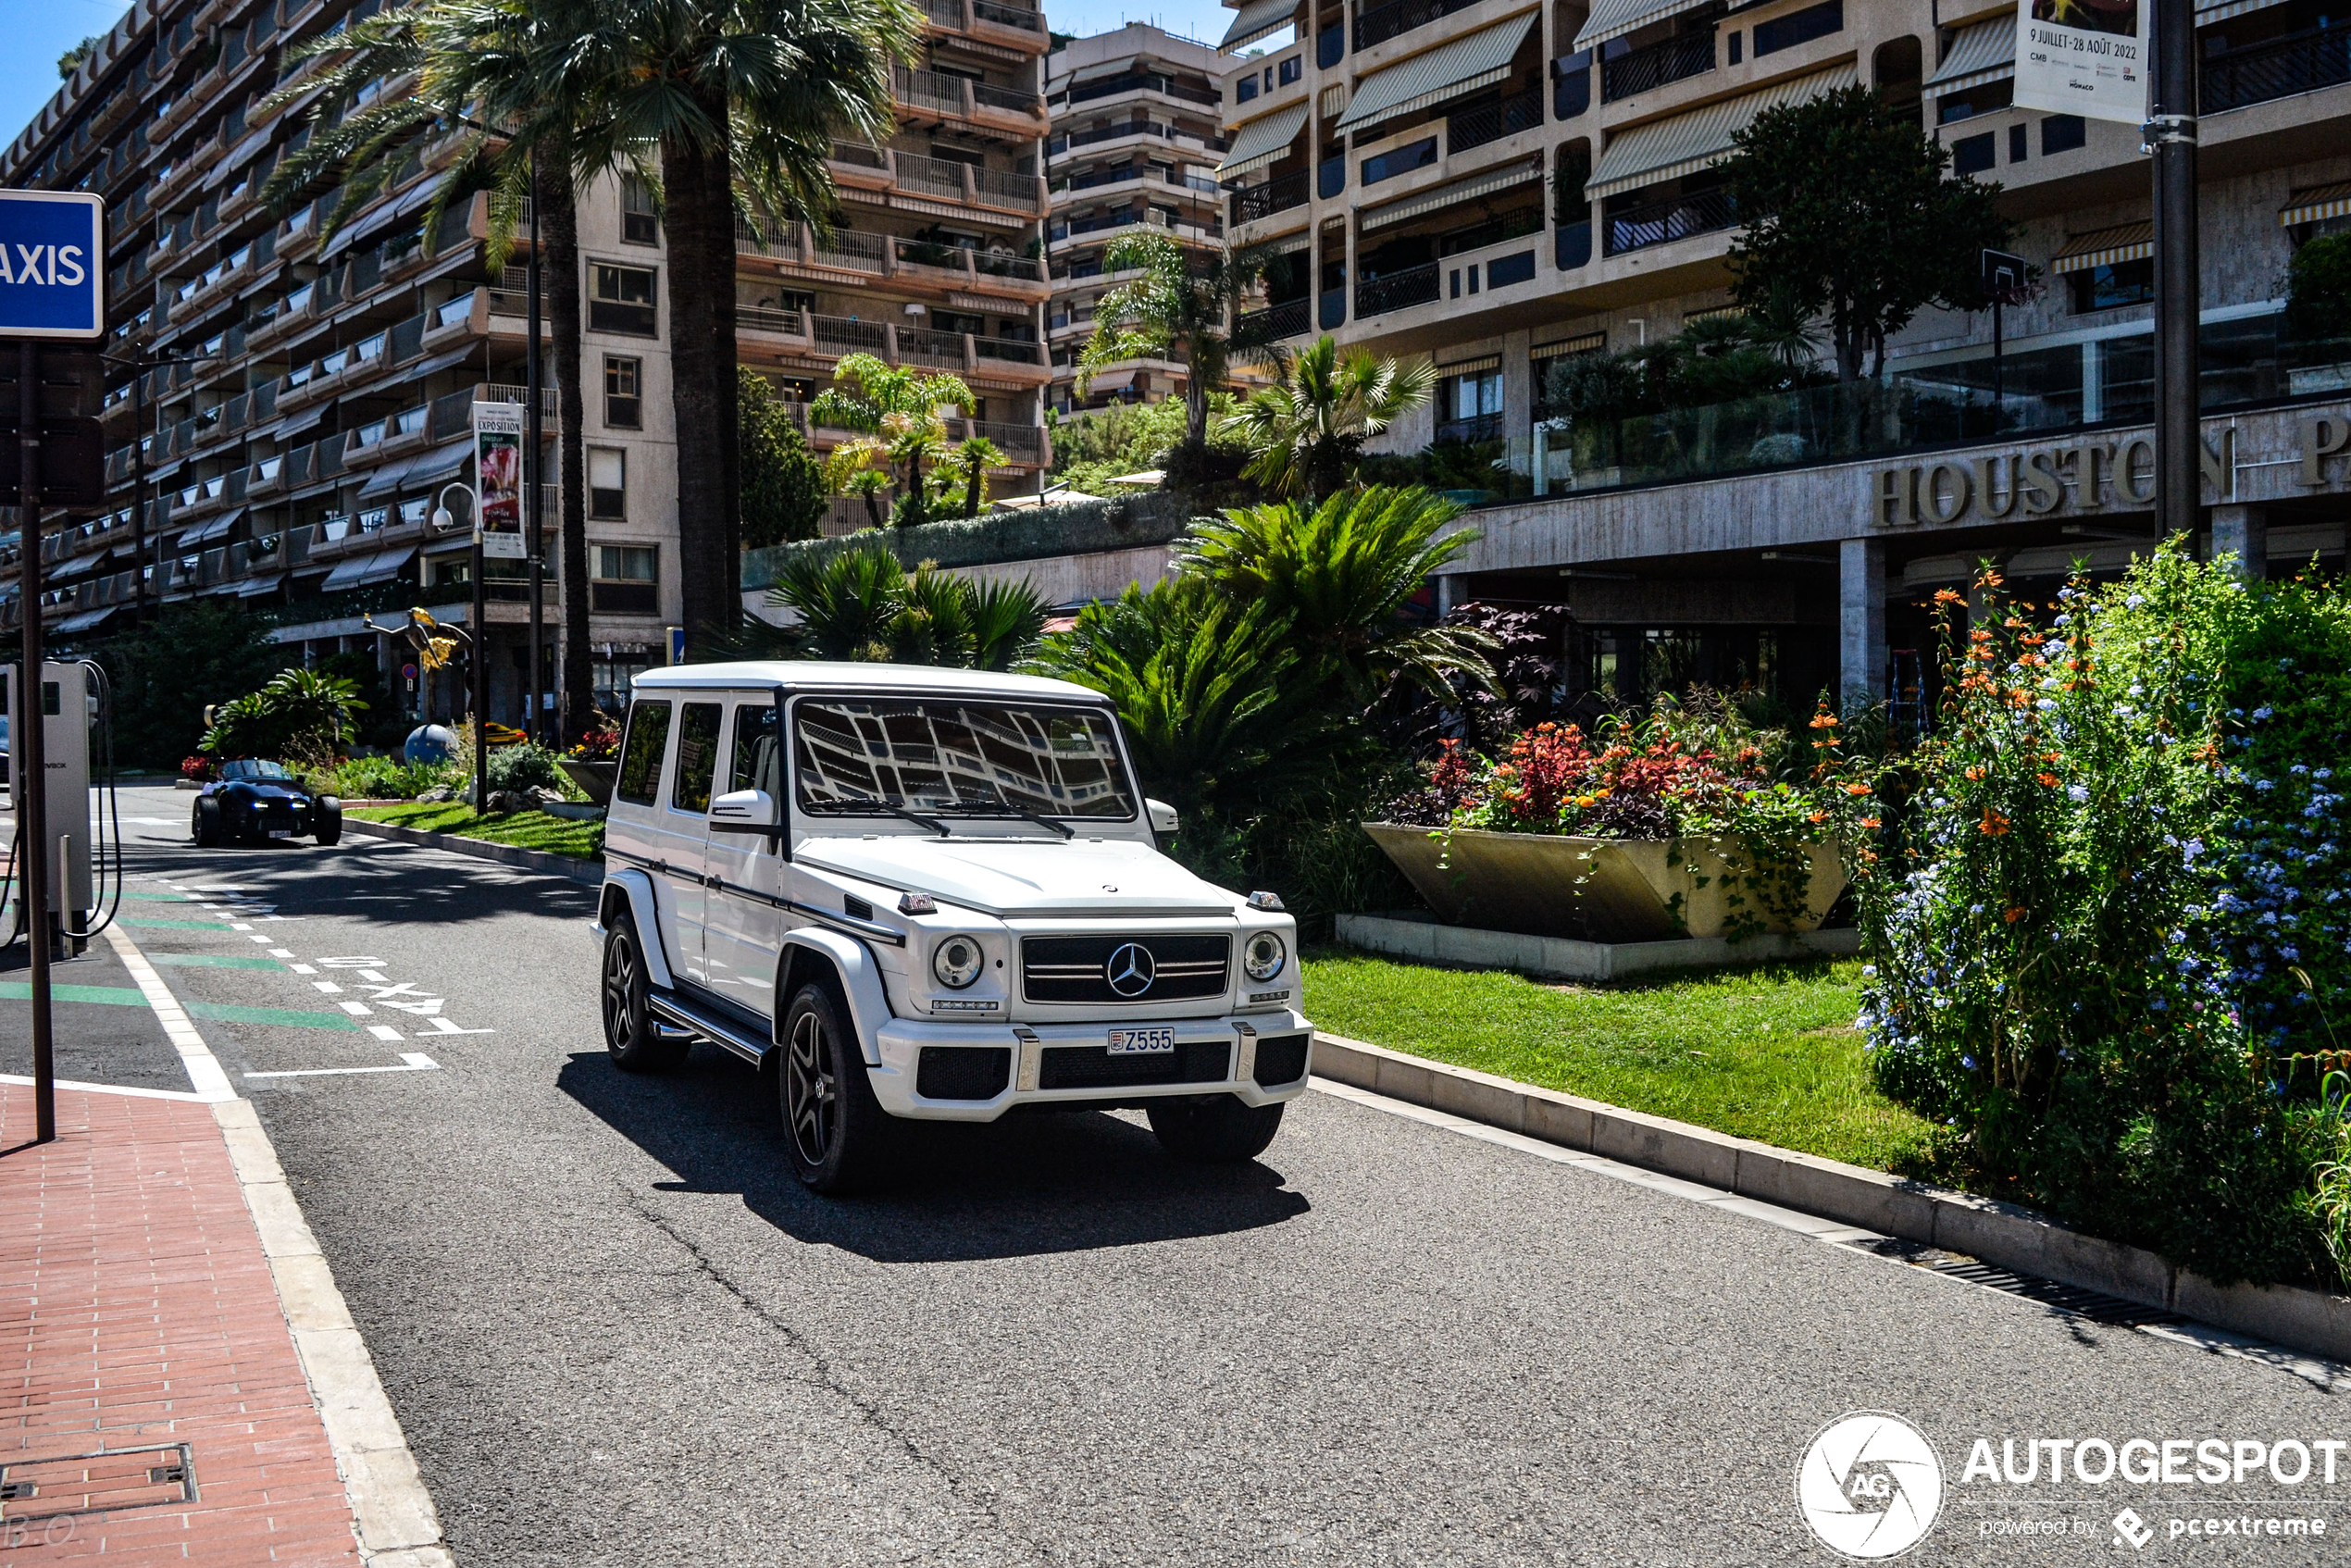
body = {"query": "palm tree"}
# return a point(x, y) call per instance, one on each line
point(1342, 575)
point(899, 406)
point(1176, 305)
point(863, 605)
point(729, 90)
point(1308, 429)
point(971, 459)
point(482, 70)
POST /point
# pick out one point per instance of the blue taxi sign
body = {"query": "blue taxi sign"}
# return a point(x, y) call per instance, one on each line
point(52, 247)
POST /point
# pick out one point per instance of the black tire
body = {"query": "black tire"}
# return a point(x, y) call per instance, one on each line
point(205, 823)
point(833, 1125)
point(1217, 1132)
point(632, 1039)
point(326, 820)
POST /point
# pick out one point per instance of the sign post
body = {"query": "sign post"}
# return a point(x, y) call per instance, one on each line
point(498, 431)
point(51, 294)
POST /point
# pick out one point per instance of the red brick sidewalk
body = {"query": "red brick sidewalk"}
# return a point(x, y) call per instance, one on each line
point(149, 1391)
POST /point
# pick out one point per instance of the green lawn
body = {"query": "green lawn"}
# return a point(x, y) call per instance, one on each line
point(530, 830)
point(1769, 1054)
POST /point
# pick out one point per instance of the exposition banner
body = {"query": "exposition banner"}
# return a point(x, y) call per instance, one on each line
point(2084, 57)
point(498, 479)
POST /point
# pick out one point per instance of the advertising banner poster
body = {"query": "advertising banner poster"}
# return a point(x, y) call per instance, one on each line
point(2084, 57)
point(497, 478)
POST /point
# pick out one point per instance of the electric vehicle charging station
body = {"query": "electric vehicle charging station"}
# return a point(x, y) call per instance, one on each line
point(72, 712)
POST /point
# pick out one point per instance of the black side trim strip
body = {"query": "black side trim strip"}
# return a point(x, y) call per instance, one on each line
point(871, 930)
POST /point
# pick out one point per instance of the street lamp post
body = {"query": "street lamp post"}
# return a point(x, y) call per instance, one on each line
point(533, 457)
point(2171, 134)
point(478, 654)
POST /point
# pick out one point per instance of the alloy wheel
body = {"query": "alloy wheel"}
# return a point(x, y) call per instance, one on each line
point(620, 989)
point(810, 1090)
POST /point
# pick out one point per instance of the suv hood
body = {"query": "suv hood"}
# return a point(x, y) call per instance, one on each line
point(1018, 876)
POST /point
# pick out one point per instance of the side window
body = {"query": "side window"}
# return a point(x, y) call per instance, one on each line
point(641, 755)
point(697, 757)
point(756, 760)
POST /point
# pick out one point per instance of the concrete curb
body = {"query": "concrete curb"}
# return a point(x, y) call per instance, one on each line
point(2001, 1234)
point(397, 1523)
point(1431, 941)
point(588, 874)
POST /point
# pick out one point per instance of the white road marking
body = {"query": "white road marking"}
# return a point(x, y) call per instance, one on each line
point(203, 1070)
point(356, 1009)
point(410, 1061)
point(297, 968)
point(328, 987)
point(109, 1089)
point(281, 953)
point(383, 1031)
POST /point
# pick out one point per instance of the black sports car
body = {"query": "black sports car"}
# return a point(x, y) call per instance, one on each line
point(254, 801)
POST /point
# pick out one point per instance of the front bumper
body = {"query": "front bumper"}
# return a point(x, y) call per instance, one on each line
point(1026, 1067)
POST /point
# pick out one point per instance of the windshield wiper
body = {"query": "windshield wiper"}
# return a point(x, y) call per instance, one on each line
point(914, 817)
point(1008, 815)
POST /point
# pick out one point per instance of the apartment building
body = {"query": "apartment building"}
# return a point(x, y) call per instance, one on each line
point(286, 414)
point(1499, 185)
point(1135, 141)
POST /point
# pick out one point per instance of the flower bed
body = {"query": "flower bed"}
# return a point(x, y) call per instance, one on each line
point(1671, 828)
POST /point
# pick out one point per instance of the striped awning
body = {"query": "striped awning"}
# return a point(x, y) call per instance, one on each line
point(2319, 203)
point(1451, 70)
point(1665, 149)
point(1484, 184)
point(1257, 19)
point(2210, 11)
point(1586, 342)
point(1472, 367)
point(2104, 247)
point(205, 532)
point(1615, 19)
point(1261, 141)
point(1981, 52)
point(1713, 313)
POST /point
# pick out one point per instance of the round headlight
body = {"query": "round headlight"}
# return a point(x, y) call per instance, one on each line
point(956, 962)
point(1262, 957)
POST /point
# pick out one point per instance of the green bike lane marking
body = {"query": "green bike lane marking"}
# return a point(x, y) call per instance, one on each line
point(130, 996)
point(214, 961)
point(175, 925)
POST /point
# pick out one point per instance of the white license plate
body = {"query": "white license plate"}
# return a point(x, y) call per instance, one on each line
point(282, 832)
point(1141, 1042)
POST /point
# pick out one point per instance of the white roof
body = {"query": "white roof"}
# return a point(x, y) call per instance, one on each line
point(803, 675)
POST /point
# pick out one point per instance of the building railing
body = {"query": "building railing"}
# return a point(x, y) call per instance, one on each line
point(1144, 81)
point(1657, 223)
point(1399, 17)
point(1656, 65)
point(1277, 194)
point(1491, 122)
point(2278, 69)
point(1291, 318)
point(1061, 145)
point(1396, 291)
point(1000, 15)
point(1476, 428)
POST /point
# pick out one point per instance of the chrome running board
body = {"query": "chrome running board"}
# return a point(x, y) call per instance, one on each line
point(707, 1025)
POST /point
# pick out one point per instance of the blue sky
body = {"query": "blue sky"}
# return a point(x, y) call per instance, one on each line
point(42, 29)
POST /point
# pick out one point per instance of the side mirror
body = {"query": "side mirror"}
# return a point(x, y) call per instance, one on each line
point(745, 811)
point(1163, 818)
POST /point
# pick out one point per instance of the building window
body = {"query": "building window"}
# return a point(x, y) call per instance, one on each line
point(1798, 27)
point(2108, 288)
point(2016, 142)
point(1739, 45)
point(1245, 87)
point(607, 483)
point(1399, 160)
point(624, 392)
point(1973, 154)
point(625, 579)
point(1292, 69)
point(1469, 406)
point(640, 218)
point(2063, 133)
point(620, 299)
point(1981, 99)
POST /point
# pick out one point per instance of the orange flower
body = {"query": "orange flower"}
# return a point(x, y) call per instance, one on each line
point(1868, 822)
point(1993, 823)
point(1824, 816)
point(1949, 596)
point(2047, 780)
point(1974, 773)
point(1857, 789)
point(2013, 915)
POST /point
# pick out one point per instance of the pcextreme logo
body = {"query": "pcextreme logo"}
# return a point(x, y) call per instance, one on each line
point(1870, 1484)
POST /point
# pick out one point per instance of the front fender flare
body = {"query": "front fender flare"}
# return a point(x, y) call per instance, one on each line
point(638, 889)
point(859, 979)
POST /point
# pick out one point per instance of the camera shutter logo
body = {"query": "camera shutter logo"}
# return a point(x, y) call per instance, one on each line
point(1130, 970)
point(1870, 1484)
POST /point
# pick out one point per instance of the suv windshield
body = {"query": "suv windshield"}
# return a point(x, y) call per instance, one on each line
point(953, 758)
point(274, 771)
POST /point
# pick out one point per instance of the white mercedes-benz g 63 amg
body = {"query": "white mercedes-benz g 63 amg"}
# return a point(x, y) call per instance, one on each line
point(935, 895)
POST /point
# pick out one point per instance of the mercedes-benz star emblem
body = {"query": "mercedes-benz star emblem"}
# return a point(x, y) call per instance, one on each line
point(1130, 970)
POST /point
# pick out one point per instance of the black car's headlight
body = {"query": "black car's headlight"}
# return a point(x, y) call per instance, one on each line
point(957, 962)
point(1263, 957)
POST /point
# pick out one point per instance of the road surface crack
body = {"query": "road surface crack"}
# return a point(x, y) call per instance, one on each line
point(869, 1410)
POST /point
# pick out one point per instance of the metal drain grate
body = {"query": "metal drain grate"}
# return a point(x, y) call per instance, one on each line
point(95, 1483)
point(2072, 1300)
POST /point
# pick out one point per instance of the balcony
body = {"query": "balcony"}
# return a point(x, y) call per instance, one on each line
point(1491, 122)
point(1278, 194)
point(1291, 318)
point(1400, 16)
point(1477, 427)
point(1396, 291)
point(1659, 223)
point(1144, 81)
point(939, 95)
point(2280, 68)
point(1656, 65)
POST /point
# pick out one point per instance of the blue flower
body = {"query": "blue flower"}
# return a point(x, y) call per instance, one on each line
point(2135, 600)
point(1968, 1062)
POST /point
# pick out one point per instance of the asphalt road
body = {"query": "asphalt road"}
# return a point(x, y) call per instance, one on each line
point(618, 1332)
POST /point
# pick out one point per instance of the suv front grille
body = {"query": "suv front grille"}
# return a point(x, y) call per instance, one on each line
point(1117, 971)
point(1281, 1060)
point(1092, 1066)
point(962, 1072)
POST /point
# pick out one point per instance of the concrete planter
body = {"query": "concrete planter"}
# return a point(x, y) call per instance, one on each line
point(594, 778)
point(1598, 890)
